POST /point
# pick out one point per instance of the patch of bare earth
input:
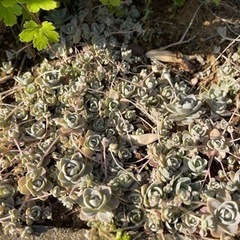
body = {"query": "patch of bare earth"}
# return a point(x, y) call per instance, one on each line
point(197, 22)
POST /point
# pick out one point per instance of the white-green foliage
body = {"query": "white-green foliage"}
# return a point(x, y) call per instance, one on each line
point(107, 136)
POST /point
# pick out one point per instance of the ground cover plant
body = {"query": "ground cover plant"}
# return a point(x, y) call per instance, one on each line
point(128, 147)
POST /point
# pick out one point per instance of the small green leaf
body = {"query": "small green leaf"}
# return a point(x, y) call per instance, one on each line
point(9, 14)
point(35, 5)
point(9, 3)
point(41, 35)
point(115, 3)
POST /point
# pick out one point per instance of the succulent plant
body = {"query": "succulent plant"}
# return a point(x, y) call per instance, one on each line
point(37, 130)
point(72, 31)
point(219, 106)
point(115, 166)
point(135, 217)
point(25, 79)
point(191, 223)
point(127, 90)
point(27, 232)
point(185, 108)
point(90, 143)
point(218, 144)
point(156, 152)
point(35, 182)
point(73, 120)
point(235, 177)
point(33, 214)
point(174, 141)
point(225, 214)
point(93, 141)
point(97, 202)
point(152, 195)
point(126, 144)
point(170, 214)
point(173, 161)
point(153, 223)
point(49, 80)
point(124, 154)
point(71, 170)
point(124, 180)
point(135, 197)
point(217, 99)
point(7, 192)
point(207, 223)
point(183, 191)
point(14, 132)
point(58, 16)
point(197, 165)
point(198, 130)
point(39, 110)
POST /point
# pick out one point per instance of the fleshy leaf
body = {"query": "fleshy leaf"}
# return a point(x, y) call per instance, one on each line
point(106, 215)
point(41, 35)
point(35, 5)
point(9, 13)
point(212, 205)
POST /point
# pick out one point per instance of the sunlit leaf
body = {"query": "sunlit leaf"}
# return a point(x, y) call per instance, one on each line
point(115, 3)
point(142, 139)
point(9, 14)
point(9, 3)
point(35, 5)
point(41, 35)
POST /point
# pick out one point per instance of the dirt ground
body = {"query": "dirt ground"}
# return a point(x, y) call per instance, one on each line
point(202, 22)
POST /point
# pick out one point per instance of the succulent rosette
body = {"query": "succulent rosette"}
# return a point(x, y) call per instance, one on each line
point(124, 180)
point(152, 195)
point(185, 108)
point(71, 170)
point(35, 182)
point(225, 214)
point(219, 145)
point(33, 213)
point(197, 165)
point(183, 190)
point(97, 203)
point(135, 217)
point(153, 222)
point(7, 192)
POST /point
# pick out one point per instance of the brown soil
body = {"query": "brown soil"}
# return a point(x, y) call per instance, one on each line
point(171, 24)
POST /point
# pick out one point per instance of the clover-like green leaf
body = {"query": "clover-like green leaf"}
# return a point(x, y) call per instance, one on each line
point(41, 35)
point(35, 5)
point(9, 3)
point(9, 12)
point(113, 3)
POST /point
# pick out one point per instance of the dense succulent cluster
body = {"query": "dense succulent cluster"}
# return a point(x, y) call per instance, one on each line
point(121, 142)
